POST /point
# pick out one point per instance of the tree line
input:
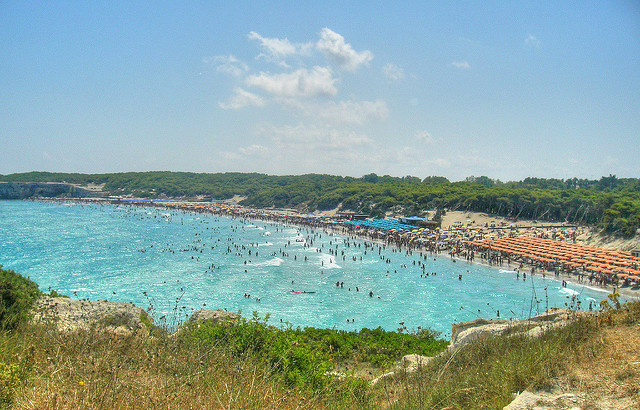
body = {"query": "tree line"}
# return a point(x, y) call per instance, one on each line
point(609, 202)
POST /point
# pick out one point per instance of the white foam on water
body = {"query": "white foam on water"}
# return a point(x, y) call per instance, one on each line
point(267, 233)
point(272, 262)
point(506, 271)
point(329, 262)
point(568, 291)
point(596, 289)
point(41, 240)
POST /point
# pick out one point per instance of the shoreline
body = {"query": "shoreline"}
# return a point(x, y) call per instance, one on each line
point(625, 292)
point(376, 237)
point(568, 277)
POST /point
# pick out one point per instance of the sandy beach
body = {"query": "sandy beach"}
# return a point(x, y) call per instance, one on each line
point(453, 223)
point(625, 291)
point(477, 220)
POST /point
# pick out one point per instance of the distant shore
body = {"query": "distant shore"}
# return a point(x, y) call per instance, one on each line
point(375, 236)
point(627, 292)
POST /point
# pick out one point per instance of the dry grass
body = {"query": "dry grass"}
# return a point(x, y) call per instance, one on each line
point(607, 370)
point(98, 370)
point(598, 360)
point(595, 358)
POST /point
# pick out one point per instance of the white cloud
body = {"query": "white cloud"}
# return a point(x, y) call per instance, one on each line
point(229, 156)
point(334, 46)
point(314, 138)
point(301, 83)
point(304, 148)
point(254, 150)
point(426, 138)
point(240, 99)
point(277, 49)
point(227, 64)
point(461, 64)
point(352, 112)
point(439, 162)
point(342, 139)
point(343, 112)
point(393, 72)
point(532, 41)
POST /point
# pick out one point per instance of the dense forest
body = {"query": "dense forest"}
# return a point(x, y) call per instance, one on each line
point(610, 202)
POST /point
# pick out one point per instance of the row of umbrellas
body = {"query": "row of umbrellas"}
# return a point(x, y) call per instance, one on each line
point(571, 256)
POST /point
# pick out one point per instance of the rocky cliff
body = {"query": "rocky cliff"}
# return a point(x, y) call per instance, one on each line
point(23, 190)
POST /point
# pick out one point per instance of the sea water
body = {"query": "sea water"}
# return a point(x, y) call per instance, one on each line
point(173, 263)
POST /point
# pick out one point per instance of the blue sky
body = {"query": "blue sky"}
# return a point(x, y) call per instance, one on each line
point(503, 89)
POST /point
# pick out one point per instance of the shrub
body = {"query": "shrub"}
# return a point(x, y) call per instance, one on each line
point(17, 296)
point(304, 357)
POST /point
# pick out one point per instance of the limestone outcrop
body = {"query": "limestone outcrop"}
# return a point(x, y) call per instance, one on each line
point(409, 364)
point(69, 315)
point(23, 190)
point(479, 329)
point(545, 401)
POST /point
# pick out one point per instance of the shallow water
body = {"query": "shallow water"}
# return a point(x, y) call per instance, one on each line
point(175, 263)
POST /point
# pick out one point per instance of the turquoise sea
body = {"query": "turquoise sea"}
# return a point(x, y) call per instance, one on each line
point(174, 263)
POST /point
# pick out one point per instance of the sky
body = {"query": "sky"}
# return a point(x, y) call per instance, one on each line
point(504, 89)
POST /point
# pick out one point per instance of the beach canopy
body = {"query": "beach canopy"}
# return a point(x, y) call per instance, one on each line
point(560, 253)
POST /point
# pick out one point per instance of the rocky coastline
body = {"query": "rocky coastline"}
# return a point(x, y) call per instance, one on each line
point(118, 318)
point(27, 190)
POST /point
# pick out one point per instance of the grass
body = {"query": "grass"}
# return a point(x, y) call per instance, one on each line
point(244, 364)
point(42, 368)
point(91, 369)
point(486, 375)
point(251, 364)
point(305, 356)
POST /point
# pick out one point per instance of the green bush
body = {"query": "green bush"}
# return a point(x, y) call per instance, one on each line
point(17, 296)
point(305, 356)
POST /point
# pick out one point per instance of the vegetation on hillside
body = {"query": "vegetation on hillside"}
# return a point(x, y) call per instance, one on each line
point(610, 202)
point(486, 374)
point(249, 364)
point(305, 357)
point(17, 296)
point(256, 359)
